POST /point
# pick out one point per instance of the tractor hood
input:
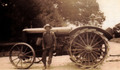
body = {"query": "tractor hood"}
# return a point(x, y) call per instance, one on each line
point(57, 30)
point(66, 30)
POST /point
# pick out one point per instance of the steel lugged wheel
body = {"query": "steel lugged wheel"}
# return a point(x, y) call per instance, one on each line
point(22, 55)
point(88, 48)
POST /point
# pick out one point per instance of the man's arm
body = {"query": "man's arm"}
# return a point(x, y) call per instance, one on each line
point(43, 46)
point(55, 42)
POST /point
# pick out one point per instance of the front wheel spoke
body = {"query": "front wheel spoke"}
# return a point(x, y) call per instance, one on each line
point(15, 59)
point(28, 52)
point(28, 56)
point(18, 62)
point(18, 48)
point(28, 61)
point(24, 61)
point(38, 58)
point(21, 63)
point(21, 49)
point(15, 54)
point(26, 49)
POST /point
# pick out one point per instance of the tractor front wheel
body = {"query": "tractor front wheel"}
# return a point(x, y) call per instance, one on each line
point(22, 55)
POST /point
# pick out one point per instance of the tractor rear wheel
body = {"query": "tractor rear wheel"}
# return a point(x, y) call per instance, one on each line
point(88, 48)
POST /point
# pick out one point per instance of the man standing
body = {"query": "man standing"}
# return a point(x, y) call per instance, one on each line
point(48, 44)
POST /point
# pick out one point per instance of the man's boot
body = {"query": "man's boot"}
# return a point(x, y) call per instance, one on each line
point(44, 67)
point(49, 62)
point(48, 65)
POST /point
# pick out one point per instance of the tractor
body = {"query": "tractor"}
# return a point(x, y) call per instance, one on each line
point(87, 46)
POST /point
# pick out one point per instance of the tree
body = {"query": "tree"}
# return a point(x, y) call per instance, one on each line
point(47, 14)
point(79, 10)
point(36, 13)
point(22, 14)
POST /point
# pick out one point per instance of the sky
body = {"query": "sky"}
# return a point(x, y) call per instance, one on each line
point(111, 9)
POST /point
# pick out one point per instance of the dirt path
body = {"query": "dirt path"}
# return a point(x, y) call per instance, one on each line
point(64, 63)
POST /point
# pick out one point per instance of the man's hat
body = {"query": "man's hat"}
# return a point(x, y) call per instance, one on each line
point(92, 16)
point(47, 25)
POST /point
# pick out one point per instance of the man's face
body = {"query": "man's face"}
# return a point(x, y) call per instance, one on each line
point(92, 19)
point(47, 28)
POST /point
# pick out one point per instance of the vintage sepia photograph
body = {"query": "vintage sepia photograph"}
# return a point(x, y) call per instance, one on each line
point(59, 34)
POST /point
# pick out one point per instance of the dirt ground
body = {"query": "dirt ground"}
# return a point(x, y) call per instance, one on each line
point(64, 63)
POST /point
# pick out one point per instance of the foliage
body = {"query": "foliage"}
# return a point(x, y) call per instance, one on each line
point(16, 15)
point(79, 10)
point(22, 14)
point(36, 13)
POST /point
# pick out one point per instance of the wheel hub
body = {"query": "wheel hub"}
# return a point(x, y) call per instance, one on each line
point(88, 48)
point(21, 56)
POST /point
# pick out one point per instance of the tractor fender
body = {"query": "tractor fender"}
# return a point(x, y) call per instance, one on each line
point(105, 33)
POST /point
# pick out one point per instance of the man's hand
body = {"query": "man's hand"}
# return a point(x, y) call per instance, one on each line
point(43, 48)
point(54, 47)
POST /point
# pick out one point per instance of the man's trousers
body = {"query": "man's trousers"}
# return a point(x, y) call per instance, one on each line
point(48, 51)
